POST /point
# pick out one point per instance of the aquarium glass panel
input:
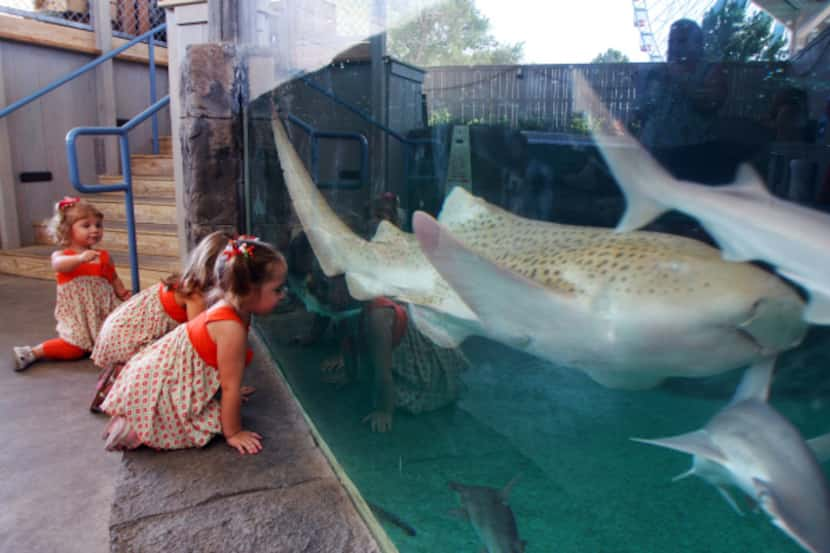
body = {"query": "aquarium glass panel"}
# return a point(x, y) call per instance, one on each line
point(559, 273)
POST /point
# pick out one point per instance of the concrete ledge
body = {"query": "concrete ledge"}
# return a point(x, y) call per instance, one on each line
point(286, 498)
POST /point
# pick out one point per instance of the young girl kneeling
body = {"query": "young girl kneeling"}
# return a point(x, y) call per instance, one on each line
point(154, 312)
point(165, 397)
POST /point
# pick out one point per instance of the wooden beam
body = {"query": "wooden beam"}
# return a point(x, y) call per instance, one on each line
point(19, 29)
point(9, 222)
point(174, 3)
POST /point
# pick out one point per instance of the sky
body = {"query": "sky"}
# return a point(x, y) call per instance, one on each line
point(567, 31)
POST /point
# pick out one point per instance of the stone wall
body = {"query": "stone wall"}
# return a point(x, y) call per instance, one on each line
point(212, 95)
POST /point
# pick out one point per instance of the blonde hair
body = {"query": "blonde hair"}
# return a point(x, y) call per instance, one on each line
point(244, 265)
point(60, 225)
point(198, 274)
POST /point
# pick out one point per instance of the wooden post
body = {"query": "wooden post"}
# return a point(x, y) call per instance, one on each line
point(9, 223)
point(223, 21)
point(187, 23)
point(106, 149)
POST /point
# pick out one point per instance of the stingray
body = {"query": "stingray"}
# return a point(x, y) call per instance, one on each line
point(627, 309)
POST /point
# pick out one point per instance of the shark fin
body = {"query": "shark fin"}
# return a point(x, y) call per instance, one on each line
point(639, 212)
point(495, 294)
point(756, 381)
point(747, 182)
point(724, 493)
point(693, 443)
point(387, 232)
point(731, 250)
point(686, 474)
point(821, 447)
point(505, 492)
point(818, 308)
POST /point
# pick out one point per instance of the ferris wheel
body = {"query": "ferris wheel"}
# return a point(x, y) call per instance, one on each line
point(654, 18)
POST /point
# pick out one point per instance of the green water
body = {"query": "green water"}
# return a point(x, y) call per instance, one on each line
point(583, 486)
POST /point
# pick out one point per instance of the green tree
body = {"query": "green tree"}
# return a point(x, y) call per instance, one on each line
point(611, 56)
point(452, 32)
point(730, 34)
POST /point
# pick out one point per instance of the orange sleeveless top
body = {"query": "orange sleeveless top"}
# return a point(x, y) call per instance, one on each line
point(201, 340)
point(168, 301)
point(103, 268)
point(401, 319)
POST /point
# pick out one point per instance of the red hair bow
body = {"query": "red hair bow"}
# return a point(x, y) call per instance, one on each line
point(68, 201)
point(237, 247)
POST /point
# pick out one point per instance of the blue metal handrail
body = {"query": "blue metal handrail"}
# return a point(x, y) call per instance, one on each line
point(314, 134)
point(407, 143)
point(148, 36)
point(127, 185)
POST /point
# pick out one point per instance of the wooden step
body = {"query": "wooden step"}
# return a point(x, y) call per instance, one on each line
point(166, 145)
point(34, 262)
point(152, 239)
point(149, 165)
point(144, 186)
point(147, 209)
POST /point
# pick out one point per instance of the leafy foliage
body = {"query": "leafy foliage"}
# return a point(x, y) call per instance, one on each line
point(730, 34)
point(450, 33)
point(611, 56)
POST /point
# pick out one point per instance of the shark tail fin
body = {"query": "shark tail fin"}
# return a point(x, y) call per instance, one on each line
point(330, 238)
point(639, 176)
point(640, 210)
point(756, 381)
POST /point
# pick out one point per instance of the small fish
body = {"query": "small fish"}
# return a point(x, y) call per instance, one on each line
point(747, 222)
point(750, 446)
point(392, 518)
point(492, 519)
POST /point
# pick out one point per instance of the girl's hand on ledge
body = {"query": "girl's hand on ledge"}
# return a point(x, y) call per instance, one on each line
point(245, 442)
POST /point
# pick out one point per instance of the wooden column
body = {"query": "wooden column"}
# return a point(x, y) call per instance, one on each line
point(223, 21)
point(106, 149)
point(9, 223)
point(187, 23)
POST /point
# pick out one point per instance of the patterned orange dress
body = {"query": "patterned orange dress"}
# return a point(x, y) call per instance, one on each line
point(167, 391)
point(143, 319)
point(85, 298)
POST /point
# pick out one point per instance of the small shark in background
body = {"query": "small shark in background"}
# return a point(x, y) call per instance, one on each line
point(750, 446)
point(747, 222)
point(629, 309)
point(487, 511)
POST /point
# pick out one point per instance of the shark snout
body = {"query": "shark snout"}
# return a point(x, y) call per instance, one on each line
point(775, 323)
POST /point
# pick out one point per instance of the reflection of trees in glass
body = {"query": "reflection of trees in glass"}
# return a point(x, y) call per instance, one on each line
point(450, 33)
point(611, 56)
point(730, 34)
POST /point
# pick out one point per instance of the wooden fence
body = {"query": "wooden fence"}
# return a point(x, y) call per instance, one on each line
point(539, 97)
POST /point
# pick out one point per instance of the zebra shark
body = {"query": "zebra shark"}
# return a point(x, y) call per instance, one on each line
point(629, 310)
point(750, 446)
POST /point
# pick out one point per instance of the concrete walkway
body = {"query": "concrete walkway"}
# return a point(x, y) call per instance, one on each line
point(57, 481)
point(62, 492)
